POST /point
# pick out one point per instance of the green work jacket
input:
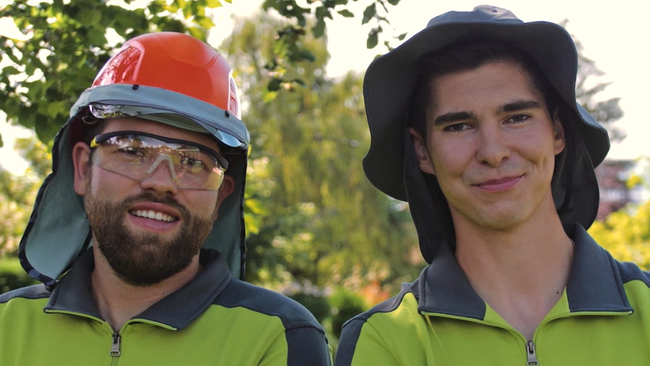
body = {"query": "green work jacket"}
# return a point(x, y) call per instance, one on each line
point(602, 318)
point(213, 320)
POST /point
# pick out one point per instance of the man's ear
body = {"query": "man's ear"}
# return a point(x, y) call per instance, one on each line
point(421, 152)
point(81, 164)
point(558, 133)
point(226, 189)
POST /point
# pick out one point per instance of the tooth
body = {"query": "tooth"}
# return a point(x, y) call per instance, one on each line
point(150, 214)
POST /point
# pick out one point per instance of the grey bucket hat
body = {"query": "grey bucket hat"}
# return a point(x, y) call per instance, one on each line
point(391, 79)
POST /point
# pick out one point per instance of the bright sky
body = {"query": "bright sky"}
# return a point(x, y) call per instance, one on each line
point(614, 34)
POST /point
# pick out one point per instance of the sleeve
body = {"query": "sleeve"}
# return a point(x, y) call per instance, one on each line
point(300, 346)
point(361, 344)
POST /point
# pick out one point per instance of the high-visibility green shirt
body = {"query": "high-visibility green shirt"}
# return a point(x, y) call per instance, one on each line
point(213, 320)
point(602, 318)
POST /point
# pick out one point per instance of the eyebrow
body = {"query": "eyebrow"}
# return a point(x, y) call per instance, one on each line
point(509, 107)
point(453, 117)
point(519, 105)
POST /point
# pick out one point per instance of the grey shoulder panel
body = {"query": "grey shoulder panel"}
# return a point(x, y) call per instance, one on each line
point(30, 293)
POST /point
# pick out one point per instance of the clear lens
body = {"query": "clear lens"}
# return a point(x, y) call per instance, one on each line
point(137, 156)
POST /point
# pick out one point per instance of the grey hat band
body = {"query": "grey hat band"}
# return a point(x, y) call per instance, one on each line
point(170, 108)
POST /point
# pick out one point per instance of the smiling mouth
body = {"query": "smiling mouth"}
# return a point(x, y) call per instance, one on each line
point(498, 181)
point(499, 185)
point(151, 214)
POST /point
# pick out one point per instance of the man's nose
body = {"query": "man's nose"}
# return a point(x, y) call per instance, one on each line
point(162, 175)
point(493, 148)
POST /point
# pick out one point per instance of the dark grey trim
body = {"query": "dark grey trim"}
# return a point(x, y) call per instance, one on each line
point(444, 288)
point(34, 292)
point(352, 328)
point(595, 283)
point(307, 346)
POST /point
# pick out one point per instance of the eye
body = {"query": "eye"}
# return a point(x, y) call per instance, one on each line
point(131, 151)
point(191, 163)
point(457, 127)
point(519, 118)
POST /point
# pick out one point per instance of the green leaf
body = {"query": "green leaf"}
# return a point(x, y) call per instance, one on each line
point(373, 39)
point(304, 55)
point(55, 108)
point(206, 23)
point(268, 96)
point(157, 6)
point(274, 84)
point(393, 2)
point(346, 13)
point(369, 13)
point(319, 29)
point(214, 4)
point(299, 82)
point(90, 16)
point(10, 70)
point(197, 32)
point(322, 12)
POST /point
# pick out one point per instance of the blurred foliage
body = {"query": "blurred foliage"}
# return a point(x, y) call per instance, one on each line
point(317, 220)
point(12, 275)
point(17, 193)
point(307, 19)
point(345, 305)
point(626, 234)
point(316, 304)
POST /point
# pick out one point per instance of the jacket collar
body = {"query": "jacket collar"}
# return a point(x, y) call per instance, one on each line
point(74, 293)
point(594, 284)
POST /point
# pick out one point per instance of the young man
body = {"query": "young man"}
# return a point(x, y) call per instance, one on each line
point(474, 122)
point(138, 233)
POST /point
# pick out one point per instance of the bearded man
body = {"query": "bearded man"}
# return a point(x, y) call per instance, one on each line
point(138, 233)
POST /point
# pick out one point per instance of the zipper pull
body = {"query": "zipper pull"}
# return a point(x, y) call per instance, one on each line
point(532, 356)
point(115, 347)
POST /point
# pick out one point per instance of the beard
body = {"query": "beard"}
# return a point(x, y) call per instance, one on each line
point(144, 259)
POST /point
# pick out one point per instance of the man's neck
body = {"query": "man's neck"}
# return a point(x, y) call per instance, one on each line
point(119, 301)
point(521, 273)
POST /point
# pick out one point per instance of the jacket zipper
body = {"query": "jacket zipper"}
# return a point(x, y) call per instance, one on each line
point(115, 347)
point(532, 355)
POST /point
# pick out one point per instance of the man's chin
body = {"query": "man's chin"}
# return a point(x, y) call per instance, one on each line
point(144, 270)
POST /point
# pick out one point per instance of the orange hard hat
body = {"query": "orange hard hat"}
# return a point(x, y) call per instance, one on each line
point(176, 62)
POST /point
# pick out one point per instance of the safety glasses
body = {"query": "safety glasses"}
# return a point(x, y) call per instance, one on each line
point(137, 155)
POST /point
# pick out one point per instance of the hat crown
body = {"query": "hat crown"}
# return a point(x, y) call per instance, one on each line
point(480, 14)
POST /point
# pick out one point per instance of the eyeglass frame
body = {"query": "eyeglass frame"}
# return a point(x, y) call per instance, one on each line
point(102, 138)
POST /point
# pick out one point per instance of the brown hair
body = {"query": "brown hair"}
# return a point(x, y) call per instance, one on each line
point(467, 56)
